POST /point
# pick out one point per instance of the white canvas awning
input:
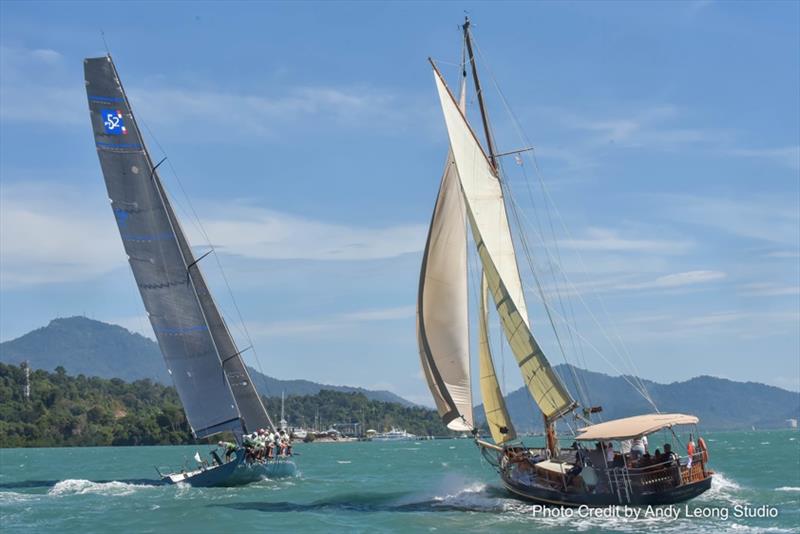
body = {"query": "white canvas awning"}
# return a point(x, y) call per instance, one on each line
point(633, 427)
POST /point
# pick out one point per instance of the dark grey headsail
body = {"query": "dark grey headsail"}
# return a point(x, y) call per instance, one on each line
point(201, 356)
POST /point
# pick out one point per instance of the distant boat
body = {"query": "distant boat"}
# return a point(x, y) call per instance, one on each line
point(471, 195)
point(206, 367)
point(394, 435)
point(299, 433)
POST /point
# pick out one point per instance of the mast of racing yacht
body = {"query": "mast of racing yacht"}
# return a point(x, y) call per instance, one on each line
point(549, 428)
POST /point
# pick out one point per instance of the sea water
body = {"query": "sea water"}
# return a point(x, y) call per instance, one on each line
point(426, 486)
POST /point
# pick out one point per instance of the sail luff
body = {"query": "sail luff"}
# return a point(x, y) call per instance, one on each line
point(443, 305)
point(494, 405)
point(486, 211)
point(156, 250)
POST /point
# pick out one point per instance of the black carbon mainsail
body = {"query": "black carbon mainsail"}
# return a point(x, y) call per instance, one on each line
point(201, 356)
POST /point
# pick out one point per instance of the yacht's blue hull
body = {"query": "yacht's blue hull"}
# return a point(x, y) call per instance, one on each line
point(237, 472)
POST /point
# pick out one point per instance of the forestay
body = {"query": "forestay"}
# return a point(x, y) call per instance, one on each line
point(187, 324)
point(487, 214)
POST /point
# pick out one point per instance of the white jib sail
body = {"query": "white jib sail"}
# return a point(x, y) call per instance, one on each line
point(442, 308)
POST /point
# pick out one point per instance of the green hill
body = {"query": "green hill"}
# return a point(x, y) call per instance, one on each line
point(94, 348)
point(66, 410)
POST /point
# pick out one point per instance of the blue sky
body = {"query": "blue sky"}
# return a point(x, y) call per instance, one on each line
point(309, 140)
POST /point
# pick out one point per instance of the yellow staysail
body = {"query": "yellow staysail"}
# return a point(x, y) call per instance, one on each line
point(497, 418)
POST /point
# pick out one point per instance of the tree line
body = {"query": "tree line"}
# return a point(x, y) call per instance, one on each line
point(65, 411)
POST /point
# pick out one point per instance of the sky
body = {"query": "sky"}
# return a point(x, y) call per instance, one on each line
point(661, 203)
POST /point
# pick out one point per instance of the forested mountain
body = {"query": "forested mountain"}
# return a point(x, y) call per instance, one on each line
point(94, 348)
point(719, 403)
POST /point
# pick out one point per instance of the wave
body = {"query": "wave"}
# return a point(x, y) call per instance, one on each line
point(86, 487)
point(12, 497)
point(787, 488)
point(473, 497)
point(723, 489)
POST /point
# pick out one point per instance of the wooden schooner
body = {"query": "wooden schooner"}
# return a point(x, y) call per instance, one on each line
point(206, 367)
point(608, 462)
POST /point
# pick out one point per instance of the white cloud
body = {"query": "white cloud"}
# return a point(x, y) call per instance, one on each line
point(645, 127)
point(266, 234)
point(768, 289)
point(677, 280)
point(46, 55)
point(741, 324)
point(38, 87)
point(622, 283)
point(265, 114)
point(787, 156)
point(604, 239)
point(330, 323)
point(774, 220)
point(656, 128)
point(784, 254)
point(386, 314)
point(52, 234)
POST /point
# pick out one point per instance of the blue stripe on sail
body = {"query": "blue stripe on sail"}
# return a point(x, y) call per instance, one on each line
point(146, 237)
point(106, 98)
point(182, 330)
point(119, 145)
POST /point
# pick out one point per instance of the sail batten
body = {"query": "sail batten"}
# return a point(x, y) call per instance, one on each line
point(183, 316)
point(486, 210)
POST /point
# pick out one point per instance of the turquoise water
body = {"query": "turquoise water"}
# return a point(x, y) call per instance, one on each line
point(431, 486)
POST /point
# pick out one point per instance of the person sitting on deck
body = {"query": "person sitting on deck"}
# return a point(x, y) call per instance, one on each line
point(637, 447)
point(669, 456)
point(229, 448)
point(645, 460)
point(658, 457)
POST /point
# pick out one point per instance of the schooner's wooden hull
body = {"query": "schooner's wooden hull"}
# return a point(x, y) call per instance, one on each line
point(553, 497)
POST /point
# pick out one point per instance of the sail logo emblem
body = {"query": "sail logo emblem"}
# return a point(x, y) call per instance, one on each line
point(112, 122)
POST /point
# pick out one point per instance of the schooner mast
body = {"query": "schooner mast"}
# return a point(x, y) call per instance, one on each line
point(549, 423)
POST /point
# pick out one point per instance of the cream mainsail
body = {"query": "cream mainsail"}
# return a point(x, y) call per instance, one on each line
point(442, 307)
point(497, 418)
point(486, 210)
